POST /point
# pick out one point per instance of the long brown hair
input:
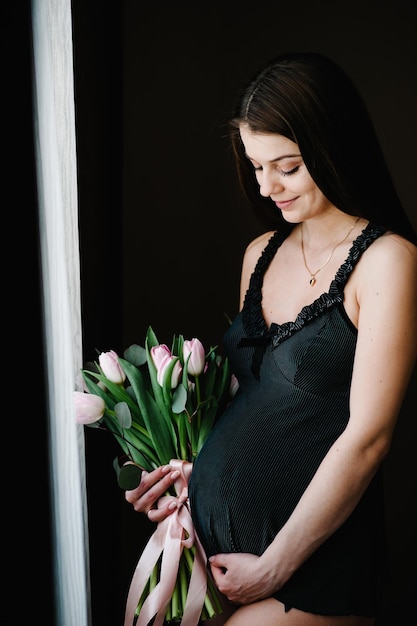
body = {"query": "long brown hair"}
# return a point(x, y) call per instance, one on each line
point(309, 99)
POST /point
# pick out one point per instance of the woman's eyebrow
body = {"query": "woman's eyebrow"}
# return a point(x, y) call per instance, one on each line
point(280, 158)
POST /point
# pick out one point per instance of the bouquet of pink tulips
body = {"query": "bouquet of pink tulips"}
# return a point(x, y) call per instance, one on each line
point(161, 403)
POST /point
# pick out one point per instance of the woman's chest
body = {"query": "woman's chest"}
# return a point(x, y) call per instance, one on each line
point(286, 290)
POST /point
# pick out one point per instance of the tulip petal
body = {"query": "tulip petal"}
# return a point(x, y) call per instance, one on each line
point(89, 408)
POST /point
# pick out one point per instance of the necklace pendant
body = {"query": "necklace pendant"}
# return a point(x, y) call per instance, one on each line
point(312, 280)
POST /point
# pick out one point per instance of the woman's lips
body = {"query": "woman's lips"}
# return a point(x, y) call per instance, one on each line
point(284, 204)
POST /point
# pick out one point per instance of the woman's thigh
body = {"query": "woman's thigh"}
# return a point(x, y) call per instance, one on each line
point(270, 612)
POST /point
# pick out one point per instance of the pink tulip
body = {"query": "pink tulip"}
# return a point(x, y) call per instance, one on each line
point(159, 353)
point(163, 357)
point(109, 363)
point(195, 349)
point(89, 408)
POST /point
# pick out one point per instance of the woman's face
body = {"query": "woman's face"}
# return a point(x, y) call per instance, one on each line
point(282, 175)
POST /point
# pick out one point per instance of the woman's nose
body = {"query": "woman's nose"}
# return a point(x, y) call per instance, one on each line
point(269, 184)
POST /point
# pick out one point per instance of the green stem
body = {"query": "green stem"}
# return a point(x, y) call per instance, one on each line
point(196, 427)
point(212, 605)
point(151, 583)
point(198, 394)
point(212, 593)
point(184, 582)
point(175, 600)
point(182, 434)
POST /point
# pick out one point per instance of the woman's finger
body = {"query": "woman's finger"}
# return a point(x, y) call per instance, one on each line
point(152, 486)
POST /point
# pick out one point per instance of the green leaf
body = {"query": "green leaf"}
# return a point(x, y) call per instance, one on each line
point(160, 431)
point(210, 414)
point(96, 390)
point(135, 354)
point(134, 443)
point(123, 414)
point(157, 390)
point(151, 339)
point(210, 374)
point(142, 455)
point(222, 382)
point(166, 388)
point(179, 399)
point(178, 345)
point(162, 397)
point(129, 476)
point(184, 437)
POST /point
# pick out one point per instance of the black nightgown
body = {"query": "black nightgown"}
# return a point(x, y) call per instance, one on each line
point(292, 404)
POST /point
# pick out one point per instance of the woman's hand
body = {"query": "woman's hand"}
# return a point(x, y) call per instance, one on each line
point(144, 498)
point(241, 577)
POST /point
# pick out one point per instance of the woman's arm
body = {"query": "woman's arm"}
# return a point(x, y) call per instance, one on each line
point(385, 355)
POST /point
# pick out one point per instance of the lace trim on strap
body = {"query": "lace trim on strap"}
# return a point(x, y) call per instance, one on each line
point(253, 320)
point(360, 245)
point(258, 334)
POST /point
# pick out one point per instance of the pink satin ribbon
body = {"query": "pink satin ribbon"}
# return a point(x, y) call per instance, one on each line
point(172, 534)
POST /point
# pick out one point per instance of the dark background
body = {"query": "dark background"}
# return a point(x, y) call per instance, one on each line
point(162, 228)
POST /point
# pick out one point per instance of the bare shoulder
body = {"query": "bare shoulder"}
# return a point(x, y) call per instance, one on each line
point(390, 260)
point(394, 250)
point(395, 243)
point(255, 248)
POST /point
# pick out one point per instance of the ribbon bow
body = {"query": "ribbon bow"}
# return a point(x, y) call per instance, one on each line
point(171, 536)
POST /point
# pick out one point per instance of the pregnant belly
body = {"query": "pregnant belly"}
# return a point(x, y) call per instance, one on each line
point(250, 475)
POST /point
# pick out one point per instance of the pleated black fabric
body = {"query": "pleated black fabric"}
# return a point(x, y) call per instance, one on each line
point(292, 404)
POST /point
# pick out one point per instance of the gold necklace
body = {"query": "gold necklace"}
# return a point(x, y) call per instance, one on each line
point(314, 274)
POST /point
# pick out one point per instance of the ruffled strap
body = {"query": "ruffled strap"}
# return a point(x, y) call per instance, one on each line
point(252, 317)
point(359, 246)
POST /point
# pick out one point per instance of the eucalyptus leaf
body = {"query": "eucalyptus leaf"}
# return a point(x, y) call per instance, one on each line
point(135, 354)
point(129, 476)
point(179, 399)
point(123, 414)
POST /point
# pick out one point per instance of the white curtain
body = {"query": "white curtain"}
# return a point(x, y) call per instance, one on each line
point(54, 122)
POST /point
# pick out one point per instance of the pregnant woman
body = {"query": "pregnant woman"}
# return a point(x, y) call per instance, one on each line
point(287, 494)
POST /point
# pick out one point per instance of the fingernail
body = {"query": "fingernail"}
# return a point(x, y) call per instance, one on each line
point(172, 506)
point(144, 473)
point(175, 474)
point(166, 469)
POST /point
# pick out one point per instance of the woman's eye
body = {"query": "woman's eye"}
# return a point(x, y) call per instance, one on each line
point(259, 168)
point(289, 172)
